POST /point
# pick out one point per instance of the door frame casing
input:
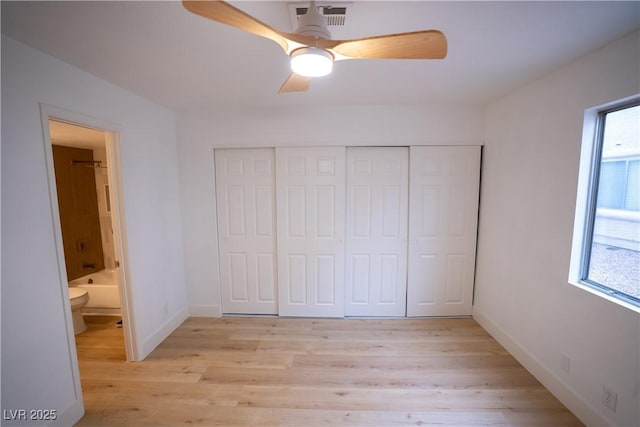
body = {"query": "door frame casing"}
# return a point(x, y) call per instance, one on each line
point(112, 143)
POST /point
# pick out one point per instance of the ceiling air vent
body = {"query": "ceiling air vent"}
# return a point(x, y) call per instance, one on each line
point(336, 13)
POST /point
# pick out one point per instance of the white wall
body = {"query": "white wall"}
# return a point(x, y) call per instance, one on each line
point(529, 181)
point(199, 132)
point(37, 368)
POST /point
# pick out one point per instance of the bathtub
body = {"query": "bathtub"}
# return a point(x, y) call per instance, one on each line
point(104, 295)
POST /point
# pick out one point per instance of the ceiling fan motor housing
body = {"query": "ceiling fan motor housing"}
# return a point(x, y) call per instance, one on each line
point(313, 23)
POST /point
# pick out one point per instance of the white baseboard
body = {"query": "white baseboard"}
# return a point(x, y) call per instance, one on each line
point(572, 400)
point(205, 311)
point(160, 334)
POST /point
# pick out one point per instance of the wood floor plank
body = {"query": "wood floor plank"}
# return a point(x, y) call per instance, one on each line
point(477, 346)
point(268, 371)
point(407, 361)
point(475, 379)
point(384, 399)
point(141, 371)
point(391, 418)
point(102, 391)
point(359, 334)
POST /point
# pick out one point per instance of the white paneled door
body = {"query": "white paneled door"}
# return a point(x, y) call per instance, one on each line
point(443, 215)
point(310, 188)
point(376, 231)
point(245, 191)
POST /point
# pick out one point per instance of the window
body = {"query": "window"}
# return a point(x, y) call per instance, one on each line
point(606, 248)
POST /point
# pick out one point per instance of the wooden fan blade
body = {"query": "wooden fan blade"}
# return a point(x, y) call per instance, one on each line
point(295, 83)
point(224, 13)
point(429, 44)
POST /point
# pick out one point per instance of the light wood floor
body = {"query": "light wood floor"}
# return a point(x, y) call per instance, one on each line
point(313, 372)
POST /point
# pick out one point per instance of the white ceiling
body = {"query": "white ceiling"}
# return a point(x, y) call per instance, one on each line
point(183, 61)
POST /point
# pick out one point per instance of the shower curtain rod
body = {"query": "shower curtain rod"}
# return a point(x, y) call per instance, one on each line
point(89, 163)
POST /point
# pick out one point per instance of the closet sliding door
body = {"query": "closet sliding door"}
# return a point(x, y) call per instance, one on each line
point(310, 192)
point(245, 192)
point(376, 245)
point(443, 218)
point(358, 231)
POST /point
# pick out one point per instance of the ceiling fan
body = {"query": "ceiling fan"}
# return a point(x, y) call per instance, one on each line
point(311, 49)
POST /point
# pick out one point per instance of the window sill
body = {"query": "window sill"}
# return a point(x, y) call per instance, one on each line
point(605, 295)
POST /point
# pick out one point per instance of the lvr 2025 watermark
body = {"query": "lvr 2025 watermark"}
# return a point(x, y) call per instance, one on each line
point(29, 414)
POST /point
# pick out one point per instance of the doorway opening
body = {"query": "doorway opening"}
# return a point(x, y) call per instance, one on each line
point(86, 197)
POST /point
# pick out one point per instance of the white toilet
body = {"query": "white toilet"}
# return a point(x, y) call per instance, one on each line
point(79, 298)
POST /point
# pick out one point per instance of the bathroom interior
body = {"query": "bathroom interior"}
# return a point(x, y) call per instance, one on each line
point(83, 190)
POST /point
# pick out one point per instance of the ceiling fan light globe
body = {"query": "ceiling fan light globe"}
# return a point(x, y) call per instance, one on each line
point(311, 62)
